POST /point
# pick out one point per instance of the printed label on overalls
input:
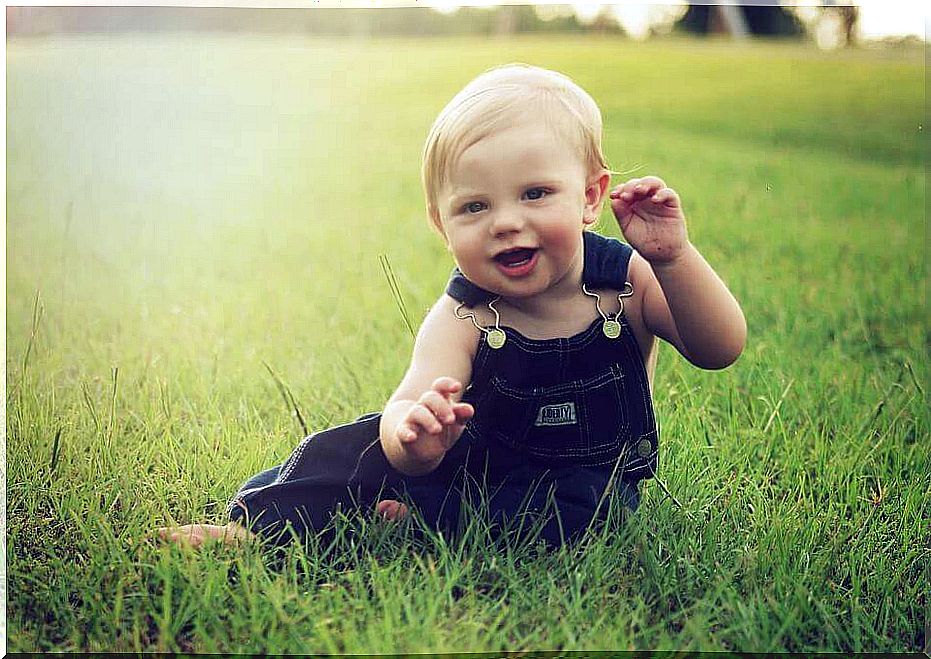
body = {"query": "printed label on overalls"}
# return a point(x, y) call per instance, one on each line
point(562, 414)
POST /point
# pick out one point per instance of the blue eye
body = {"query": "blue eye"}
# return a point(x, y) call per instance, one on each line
point(474, 207)
point(533, 194)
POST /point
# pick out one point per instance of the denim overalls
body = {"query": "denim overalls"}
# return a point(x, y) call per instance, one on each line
point(559, 423)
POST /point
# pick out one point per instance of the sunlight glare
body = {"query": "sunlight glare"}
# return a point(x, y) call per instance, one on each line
point(882, 18)
point(638, 20)
point(586, 11)
point(444, 6)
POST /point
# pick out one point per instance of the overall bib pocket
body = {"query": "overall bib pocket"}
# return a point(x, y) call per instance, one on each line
point(576, 422)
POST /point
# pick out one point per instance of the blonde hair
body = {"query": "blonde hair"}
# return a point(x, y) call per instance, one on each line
point(504, 94)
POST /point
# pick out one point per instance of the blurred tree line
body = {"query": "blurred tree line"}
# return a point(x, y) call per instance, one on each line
point(330, 21)
point(413, 21)
point(758, 20)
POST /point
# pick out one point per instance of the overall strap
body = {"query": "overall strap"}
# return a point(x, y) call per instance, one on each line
point(462, 290)
point(606, 261)
point(604, 266)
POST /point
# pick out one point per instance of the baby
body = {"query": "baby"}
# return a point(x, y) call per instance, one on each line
point(531, 376)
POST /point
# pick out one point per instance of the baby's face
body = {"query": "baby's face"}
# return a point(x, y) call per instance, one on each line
point(513, 209)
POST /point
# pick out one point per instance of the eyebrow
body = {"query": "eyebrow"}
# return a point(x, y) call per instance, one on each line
point(459, 197)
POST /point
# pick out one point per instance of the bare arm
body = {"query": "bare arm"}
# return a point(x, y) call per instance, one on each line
point(424, 418)
point(684, 300)
point(687, 304)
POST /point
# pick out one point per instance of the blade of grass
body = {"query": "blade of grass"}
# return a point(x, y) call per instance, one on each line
point(56, 445)
point(880, 406)
point(37, 310)
point(775, 411)
point(911, 372)
point(287, 396)
point(90, 405)
point(396, 291)
point(115, 373)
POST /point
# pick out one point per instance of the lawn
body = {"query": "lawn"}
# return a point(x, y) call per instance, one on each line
point(192, 219)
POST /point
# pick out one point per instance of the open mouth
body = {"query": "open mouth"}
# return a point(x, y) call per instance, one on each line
point(514, 258)
point(517, 262)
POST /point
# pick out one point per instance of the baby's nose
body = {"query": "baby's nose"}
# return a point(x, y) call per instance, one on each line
point(507, 220)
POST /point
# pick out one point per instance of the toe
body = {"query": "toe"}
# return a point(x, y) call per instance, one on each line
point(391, 509)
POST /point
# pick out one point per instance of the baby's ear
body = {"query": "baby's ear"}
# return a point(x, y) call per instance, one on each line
point(595, 191)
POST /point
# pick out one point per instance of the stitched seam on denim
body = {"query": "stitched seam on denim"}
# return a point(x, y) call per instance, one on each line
point(298, 454)
point(623, 428)
point(650, 420)
point(470, 429)
point(497, 385)
point(552, 344)
point(235, 503)
point(481, 357)
point(579, 389)
point(644, 393)
point(572, 343)
point(290, 466)
point(609, 450)
point(239, 499)
point(584, 411)
point(576, 385)
point(545, 346)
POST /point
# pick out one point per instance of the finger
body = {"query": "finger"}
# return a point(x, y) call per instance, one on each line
point(421, 416)
point(648, 185)
point(623, 199)
point(405, 433)
point(236, 533)
point(639, 193)
point(440, 407)
point(446, 385)
point(666, 196)
point(639, 189)
point(183, 535)
point(622, 206)
point(625, 187)
point(463, 412)
point(173, 531)
point(630, 191)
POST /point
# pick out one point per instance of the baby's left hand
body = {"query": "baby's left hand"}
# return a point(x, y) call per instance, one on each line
point(651, 218)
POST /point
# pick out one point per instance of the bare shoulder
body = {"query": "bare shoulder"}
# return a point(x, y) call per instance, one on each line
point(445, 347)
point(442, 325)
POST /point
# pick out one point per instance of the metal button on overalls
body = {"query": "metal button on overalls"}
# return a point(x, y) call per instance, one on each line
point(644, 448)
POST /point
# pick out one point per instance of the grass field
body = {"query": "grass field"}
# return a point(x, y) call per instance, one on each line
point(182, 211)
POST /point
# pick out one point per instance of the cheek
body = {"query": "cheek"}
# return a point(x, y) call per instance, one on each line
point(462, 246)
point(562, 235)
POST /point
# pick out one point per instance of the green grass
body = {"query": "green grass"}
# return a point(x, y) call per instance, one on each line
point(181, 211)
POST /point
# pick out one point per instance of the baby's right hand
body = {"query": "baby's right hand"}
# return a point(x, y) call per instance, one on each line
point(434, 423)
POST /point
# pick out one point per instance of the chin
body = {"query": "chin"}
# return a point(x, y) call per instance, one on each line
point(520, 290)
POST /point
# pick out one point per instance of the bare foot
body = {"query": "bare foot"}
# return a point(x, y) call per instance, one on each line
point(195, 535)
point(391, 509)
